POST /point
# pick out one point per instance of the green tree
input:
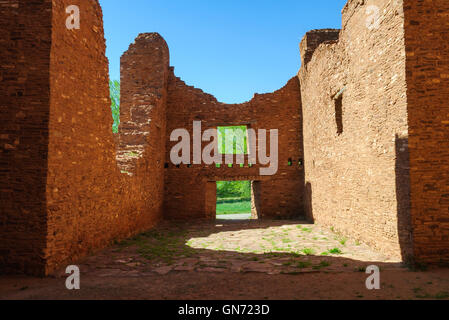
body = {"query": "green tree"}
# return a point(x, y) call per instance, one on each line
point(114, 88)
point(233, 189)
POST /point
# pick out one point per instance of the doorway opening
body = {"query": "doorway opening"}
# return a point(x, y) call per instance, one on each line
point(236, 200)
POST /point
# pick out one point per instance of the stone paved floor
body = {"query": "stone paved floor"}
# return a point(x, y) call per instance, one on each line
point(271, 247)
point(235, 260)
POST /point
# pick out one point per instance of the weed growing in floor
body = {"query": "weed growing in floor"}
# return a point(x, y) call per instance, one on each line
point(335, 251)
point(303, 264)
point(323, 264)
point(308, 251)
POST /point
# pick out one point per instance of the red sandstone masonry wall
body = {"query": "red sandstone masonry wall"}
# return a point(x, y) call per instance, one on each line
point(427, 48)
point(186, 187)
point(63, 194)
point(144, 79)
point(90, 202)
point(25, 41)
point(358, 181)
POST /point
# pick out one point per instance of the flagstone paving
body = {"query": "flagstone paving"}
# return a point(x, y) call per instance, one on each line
point(235, 260)
point(271, 247)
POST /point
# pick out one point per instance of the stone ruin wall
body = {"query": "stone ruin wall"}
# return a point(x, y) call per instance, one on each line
point(356, 180)
point(65, 195)
point(95, 200)
point(25, 43)
point(190, 191)
point(69, 186)
point(384, 179)
point(427, 72)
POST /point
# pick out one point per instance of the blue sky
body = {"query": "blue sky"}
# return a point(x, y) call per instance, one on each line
point(229, 48)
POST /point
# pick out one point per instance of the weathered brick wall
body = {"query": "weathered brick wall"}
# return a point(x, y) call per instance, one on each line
point(65, 195)
point(357, 180)
point(90, 200)
point(313, 39)
point(427, 66)
point(141, 153)
point(186, 194)
point(144, 78)
point(25, 42)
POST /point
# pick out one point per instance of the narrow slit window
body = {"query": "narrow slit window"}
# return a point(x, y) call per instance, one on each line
point(338, 100)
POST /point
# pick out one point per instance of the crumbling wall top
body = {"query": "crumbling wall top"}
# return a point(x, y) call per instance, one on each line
point(313, 39)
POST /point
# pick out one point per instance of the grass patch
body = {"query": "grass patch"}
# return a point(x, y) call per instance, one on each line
point(323, 264)
point(360, 269)
point(419, 294)
point(234, 207)
point(132, 154)
point(416, 266)
point(442, 295)
point(303, 264)
point(308, 251)
point(335, 251)
point(156, 246)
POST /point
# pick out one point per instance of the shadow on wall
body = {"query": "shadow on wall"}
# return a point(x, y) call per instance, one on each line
point(24, 136)
point(403, 199)
point(23, 198)
point(308, 206)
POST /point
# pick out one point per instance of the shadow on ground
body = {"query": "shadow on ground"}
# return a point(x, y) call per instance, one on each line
point(235, 260)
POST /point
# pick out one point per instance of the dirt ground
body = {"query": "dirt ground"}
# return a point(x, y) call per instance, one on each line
point(235, 260)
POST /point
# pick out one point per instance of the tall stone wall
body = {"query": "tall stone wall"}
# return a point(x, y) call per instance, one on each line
point(186, 186)
point(427, 70)
point(91, 201)
point(355, 128)
point(25, 44)
point(65, 195)
point(144, 79)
